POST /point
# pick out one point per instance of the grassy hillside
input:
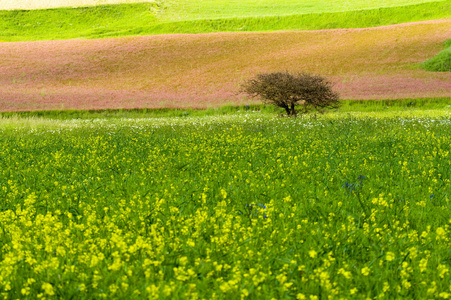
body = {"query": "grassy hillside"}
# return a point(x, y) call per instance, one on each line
point(441, 62)
point(183, 10)
point(211, 16)
point(67, 23)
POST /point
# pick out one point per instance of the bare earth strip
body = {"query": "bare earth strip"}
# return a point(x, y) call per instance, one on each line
point(205, 70)
point(41, 4)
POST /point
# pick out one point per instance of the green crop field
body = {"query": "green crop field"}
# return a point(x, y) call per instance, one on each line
point(115, 185)
point(175, 10)
point(211, 16)
point(248, 205)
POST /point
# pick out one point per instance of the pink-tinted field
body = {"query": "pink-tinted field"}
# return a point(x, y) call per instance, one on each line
point(205, 70)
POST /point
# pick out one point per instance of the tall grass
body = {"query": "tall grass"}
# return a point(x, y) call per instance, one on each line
point(340, 206)
point(153, 18)
point(415, 105)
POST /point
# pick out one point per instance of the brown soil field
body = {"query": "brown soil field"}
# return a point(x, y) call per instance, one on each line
point(206, 70)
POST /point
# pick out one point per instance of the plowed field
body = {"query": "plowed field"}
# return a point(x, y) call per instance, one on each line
point(205, 70)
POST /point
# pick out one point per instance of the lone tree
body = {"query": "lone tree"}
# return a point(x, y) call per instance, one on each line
point(296, 93)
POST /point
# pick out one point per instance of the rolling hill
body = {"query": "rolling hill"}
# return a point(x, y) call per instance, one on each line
point(206, 69)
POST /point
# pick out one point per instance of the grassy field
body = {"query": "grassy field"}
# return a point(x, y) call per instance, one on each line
point(441, 62)
point(183, 10)
point(220, 207)
point(211, 16)
point(418, 106)
point(114, 185)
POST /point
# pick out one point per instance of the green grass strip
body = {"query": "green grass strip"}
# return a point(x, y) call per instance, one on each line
point(416, 104)
point(70, 23)
point(441, 62)
point(351, 19)
point(140, 19)
point(184, 10)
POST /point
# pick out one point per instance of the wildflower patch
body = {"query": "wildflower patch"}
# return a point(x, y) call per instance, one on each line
point(227, 208)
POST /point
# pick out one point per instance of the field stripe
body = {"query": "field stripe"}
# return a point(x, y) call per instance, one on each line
point(205, 70)
point(150, 19)
point(39, 4)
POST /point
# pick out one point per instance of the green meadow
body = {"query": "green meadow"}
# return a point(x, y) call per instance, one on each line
point(231, 202)
point(165, 17)
point(418, 106)
point(349, 204)
point(214, 9)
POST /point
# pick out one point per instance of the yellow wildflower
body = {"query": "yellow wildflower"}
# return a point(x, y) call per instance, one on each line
point(390, 256)
point(365, 271)
point(48, 289)
point(312, 253)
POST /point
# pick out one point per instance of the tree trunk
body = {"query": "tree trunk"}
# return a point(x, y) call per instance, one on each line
point(287, 109)
point(293, 110)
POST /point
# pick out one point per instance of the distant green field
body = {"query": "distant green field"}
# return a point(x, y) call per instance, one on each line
point(213, 9)
point(211, 16)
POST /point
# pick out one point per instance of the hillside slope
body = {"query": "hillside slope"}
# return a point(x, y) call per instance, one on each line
point(183, 16)
point(206, 69)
